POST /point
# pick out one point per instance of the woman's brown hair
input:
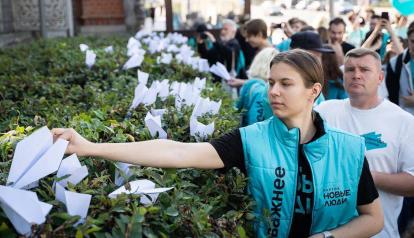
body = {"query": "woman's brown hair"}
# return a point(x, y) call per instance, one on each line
point(255, 27)
point(307, 65)
point(331, 71)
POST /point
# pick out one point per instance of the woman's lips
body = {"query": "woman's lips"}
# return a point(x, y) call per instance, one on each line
point(277, 104)
point(356, 85)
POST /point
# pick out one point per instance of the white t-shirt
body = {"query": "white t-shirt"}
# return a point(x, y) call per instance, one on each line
point(391, 149)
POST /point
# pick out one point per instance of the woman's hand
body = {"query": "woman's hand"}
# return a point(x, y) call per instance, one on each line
point(409, 100)
point(77, 144)
point(235, 83)
point(387, 25)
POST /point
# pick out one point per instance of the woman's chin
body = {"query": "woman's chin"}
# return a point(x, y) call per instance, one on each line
point(278, 113)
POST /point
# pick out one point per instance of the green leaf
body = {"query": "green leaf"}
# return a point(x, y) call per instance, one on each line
point(79, 234)
point(241, 232)
point(171, 211)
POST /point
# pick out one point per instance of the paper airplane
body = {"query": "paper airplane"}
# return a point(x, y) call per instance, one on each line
point(154, 46)
point(35, 157)
point(23, 208)
point(109, 49)
point(71, 166)
point(165, 58)
point(153, 123)
point(142, 77)
point(174, 88)
point(203, 65)
point(136, 51)
point(139, 95)
point(220, 70)
point(134, 61)
point(199, 130)
point(151, 95)
point(132, 42)
point(173, 48)
point(83, 47)
point(77, 204)
point(199, 84)
point(144, 32)
point(163, 89)
point(158, 112)
point(204, 105)
point(90, 58)
point(177, 38)
point(142, 186)
point(124, 169)
point(185, 55)
point(187, 95)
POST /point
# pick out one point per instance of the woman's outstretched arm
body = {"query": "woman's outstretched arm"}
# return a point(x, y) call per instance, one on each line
point(153, 153)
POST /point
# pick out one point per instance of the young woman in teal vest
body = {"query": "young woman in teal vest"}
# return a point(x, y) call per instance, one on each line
point(253, 94)
point(308, 179)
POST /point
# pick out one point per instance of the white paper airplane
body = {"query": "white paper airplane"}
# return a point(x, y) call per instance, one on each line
point(199, 130)
point(151, 95)
point(203, 65)
point(125, 170)
point(144, 32)
point(199, 84)
point(109, 49)
point(220, 70)
point(165, 58)
point(173, 48)
point(134, 61)
point(163, 89)
point(35, 157)
point(204, 105)
point(90, 58)
point(23, 208)
point(132, 42)
point(142, 77)
point(71, 166)
point(142, 187)
point(83, 47)
point(153, 123)
point(139, 95)
point(77, 204)
point(158, 112)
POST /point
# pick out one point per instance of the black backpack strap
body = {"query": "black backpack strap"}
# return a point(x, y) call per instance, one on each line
point(392, 79)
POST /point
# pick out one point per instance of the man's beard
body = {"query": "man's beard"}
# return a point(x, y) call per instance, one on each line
point(224, 38)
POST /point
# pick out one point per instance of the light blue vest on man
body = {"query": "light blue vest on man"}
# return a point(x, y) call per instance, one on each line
point(271, 157)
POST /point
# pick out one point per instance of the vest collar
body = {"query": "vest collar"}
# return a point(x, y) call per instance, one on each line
point(314, 149)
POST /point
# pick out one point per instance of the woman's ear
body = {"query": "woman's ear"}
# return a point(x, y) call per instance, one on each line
point(316, 90)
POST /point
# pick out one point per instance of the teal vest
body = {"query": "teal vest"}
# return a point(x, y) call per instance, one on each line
point(253, 102)
point(271, 158)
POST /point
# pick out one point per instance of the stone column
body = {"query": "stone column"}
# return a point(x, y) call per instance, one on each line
point(6, 17)
point(26, 16)
point(134, 15)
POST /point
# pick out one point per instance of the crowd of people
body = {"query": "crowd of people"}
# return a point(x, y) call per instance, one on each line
point(327, 134)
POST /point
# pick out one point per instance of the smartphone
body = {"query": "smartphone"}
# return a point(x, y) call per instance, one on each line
point(384, 15)
point(278, 25)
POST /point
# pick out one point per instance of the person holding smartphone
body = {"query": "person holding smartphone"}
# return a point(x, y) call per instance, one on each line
point(377, 40)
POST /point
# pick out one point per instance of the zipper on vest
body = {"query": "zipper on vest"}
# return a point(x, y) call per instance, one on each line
point(292, 212)
point(314, 189)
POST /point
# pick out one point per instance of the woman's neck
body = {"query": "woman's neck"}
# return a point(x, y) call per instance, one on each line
point(305, 124)
point(264, 44)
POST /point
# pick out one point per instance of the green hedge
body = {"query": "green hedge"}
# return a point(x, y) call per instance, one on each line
point(48, 83)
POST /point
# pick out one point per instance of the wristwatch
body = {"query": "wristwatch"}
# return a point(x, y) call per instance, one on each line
point(327, 234)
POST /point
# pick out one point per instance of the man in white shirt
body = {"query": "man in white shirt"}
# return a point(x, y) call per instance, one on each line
point(388, 132)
